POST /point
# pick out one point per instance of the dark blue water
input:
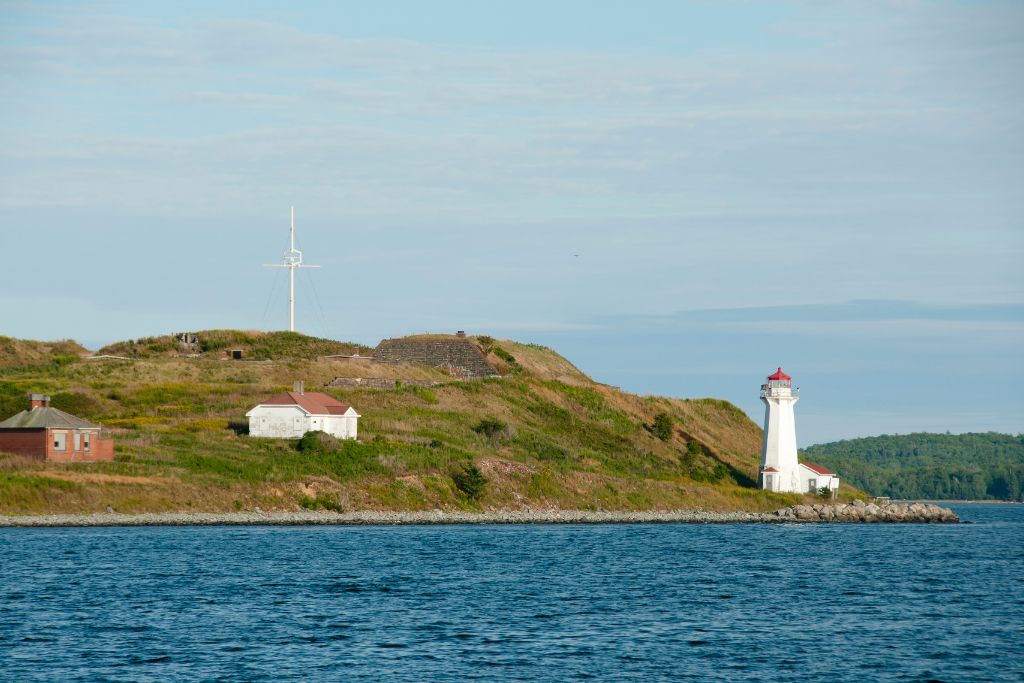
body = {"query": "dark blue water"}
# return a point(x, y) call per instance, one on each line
point(495, 603)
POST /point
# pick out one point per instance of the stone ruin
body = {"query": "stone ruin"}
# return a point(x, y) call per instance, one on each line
point(456, 354)
point(187, 342)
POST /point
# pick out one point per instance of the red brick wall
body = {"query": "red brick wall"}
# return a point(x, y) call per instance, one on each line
point(28, 442)
point(99, 449)
point(38, 443)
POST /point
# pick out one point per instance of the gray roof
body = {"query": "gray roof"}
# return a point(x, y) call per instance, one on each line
point(40, 418)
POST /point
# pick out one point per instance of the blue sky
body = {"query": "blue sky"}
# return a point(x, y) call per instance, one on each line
point(678, 196)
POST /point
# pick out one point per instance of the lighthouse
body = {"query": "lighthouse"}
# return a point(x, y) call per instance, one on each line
point(780, 470)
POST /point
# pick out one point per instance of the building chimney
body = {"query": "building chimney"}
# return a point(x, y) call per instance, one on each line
point(38, 401)
point(460, 333)
point(298, 387)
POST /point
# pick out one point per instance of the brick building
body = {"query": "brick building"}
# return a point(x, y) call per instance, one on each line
point(50, 434)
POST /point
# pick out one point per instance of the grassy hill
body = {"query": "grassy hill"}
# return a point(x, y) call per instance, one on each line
point(988, 466)
point(254, 344)
point(544, 435)
point(18, 352)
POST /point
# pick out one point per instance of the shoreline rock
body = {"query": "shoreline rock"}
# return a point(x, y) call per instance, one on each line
point(857, 512)
point(860, 512)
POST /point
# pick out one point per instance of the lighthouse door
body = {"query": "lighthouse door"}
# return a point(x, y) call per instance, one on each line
point(769, 482)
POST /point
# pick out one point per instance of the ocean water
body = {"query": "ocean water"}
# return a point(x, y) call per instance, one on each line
point(517, 603)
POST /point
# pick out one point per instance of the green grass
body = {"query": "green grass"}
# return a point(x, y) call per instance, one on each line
point(538, 439)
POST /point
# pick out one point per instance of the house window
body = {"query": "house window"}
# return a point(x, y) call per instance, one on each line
point(812, 485)
point(78, 441)
point(60, 441)
point(85, 441)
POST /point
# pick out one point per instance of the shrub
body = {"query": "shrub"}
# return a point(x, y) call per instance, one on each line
point(470, 480)
point(693, 451)
point(239, 427)
point(436, 443)
point(76, 403)
point(310, 503)
point(663, 426)
point(316, 442)
point(490, 427)
point(62, 360)
point(825, 492)
point(504, 355)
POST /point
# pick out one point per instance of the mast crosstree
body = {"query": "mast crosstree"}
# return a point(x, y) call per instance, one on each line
point(292, 260)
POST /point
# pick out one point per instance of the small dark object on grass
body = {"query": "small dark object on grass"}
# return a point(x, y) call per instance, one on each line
point(489, 426)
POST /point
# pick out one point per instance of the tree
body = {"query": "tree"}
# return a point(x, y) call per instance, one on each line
point(663, 426)
point(470, 480)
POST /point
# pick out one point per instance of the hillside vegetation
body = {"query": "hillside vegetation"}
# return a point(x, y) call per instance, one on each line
point(987, 466)
point(18, 352)
point(544, 435)
point(255, 345)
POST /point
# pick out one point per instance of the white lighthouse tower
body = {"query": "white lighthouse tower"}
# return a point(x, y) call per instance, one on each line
point(780, 470)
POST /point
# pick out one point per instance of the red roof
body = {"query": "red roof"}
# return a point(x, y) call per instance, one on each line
point(313, 402)
point(779, 374)
point(768, 469)
point(817, 468)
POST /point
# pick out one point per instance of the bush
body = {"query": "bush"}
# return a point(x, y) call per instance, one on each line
point(319, 502)
point(490, 427)
point(470, 480)
point(316, 442)
point(76, 403)
point(693, 451)
point(663, 426)
point(825, 492)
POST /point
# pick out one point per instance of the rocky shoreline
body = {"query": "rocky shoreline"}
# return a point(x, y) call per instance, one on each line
point(856, 512)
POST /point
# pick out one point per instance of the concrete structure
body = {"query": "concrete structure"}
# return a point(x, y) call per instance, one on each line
point(456, 354)
point(293, 413)
point(780, 469)
point(47, 433)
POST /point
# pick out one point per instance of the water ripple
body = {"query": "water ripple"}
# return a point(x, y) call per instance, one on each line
point(658, 602)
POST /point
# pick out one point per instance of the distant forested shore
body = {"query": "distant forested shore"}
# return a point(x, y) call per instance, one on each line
point(976, 466)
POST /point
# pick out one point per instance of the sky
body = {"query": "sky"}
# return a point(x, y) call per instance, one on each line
point(678, 196)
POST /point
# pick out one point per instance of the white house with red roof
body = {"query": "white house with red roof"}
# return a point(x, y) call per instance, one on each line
point(815, 477)
point(291, 414)
point(780, 469)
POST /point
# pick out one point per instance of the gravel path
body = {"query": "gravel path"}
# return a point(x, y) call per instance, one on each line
point(821, 513)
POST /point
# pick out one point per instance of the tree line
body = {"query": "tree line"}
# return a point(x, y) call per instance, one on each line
point(976, 466)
